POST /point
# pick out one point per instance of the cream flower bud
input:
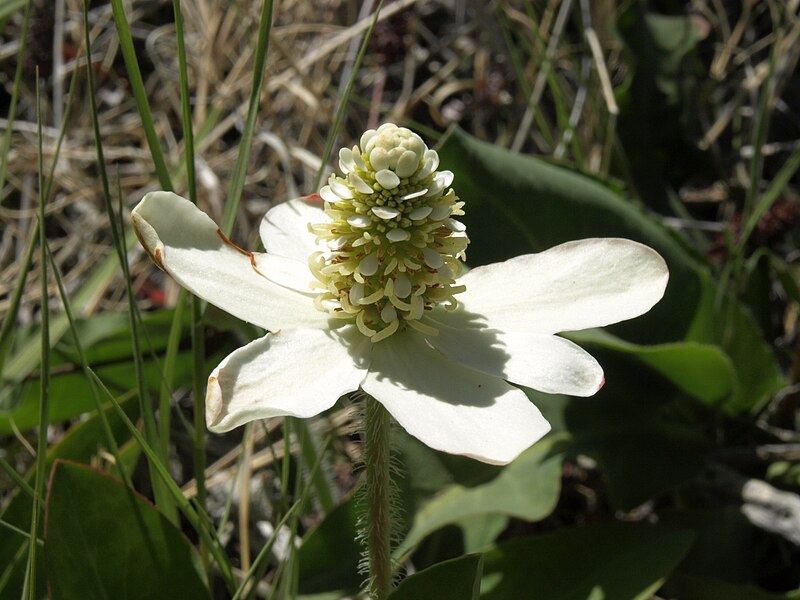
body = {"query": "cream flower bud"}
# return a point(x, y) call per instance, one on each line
point(390, 234)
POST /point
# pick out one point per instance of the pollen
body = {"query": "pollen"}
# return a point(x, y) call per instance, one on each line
point(393, 246)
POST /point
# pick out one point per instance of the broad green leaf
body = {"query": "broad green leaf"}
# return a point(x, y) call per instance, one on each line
point(480, 531)
point(476, 497)
point(518, 204)
point(659, 97)
point(455, 579)
point(689, 587)
point(106, 541)
point(105, 338)
point(81, 442)
point(632, 428)
point(700, 370)
point(599, 562)
point(330, 554)
point(527, 489)
point(732, 326)
point(727, 546)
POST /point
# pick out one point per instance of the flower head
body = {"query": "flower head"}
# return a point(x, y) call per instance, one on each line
point(391, 248)
point(361, 287)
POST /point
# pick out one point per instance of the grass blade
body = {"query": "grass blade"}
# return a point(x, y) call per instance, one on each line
point(197, 306)
point(44, 382)
point(243, 158)
point(13, 310)
point(110, 440)
point(139, 92)
point(118, 235)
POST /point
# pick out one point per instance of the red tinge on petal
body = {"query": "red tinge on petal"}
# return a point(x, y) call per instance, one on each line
point(314, 200)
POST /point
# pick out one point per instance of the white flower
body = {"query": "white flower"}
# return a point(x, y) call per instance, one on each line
point(351, 303)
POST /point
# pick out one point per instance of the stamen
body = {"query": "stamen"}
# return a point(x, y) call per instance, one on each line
point(362, 326)
point(424, 328)
point(386, 331)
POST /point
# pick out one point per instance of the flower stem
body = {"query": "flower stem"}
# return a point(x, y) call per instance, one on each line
point(378, 496)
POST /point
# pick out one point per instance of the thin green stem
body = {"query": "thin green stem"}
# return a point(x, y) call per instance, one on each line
point(101, 414)
point(170, 358)
point(10, 321)
point(198, 332)
point(378, 495)
point(312, 453)
point(139, 92)
point(17, 478)
point(44, 387)
point(199, 397)
point(254, 104)
point(19, 531)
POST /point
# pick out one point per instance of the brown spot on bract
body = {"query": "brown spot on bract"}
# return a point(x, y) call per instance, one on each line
point(158, 258)
point(234, 246)
point(135, 221)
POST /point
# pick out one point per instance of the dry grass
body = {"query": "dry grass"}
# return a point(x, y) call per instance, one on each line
point(431, 63)
point(539, 77)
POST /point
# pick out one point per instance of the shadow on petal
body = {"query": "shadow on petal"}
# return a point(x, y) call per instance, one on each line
point(409, 361)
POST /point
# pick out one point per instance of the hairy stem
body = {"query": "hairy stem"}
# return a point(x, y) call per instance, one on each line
point(378, 495)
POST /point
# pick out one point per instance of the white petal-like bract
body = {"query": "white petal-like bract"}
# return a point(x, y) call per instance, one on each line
point(450, 407)
point(574, 286)
point(284, 229)
point(544, 362)
point(297, 373)
point(188, 245)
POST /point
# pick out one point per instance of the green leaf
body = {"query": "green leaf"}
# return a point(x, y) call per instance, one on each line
point(689, 587)
point(518, 204)
point(606, 561)
point(106, 339)
point(527, 489)
point(660, 97)
point(732, 326)
point(20, 363)
point(700, 370)
point(71, 396)
point(480, 531)
point(330, 554)
point(632, 427)
point(727, 546)
point(455, 579)
point(106, 541)
point(80, 443)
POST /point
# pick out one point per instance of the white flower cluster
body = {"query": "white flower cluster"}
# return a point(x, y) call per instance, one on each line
point(393, 246)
